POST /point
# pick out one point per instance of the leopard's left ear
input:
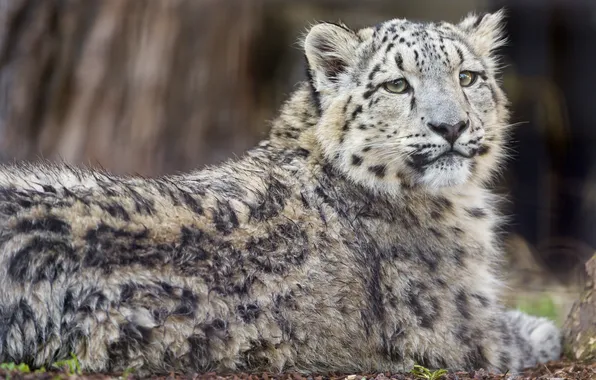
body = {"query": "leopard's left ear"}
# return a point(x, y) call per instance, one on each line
point(485, 32)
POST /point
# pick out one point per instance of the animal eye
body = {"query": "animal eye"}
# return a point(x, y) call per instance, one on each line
point(398, 86)
point(467, 78)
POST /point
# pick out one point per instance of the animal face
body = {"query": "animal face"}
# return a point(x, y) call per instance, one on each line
point(410, 104)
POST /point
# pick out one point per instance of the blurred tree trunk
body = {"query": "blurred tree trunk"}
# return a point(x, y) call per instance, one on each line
point(132, 85)
point(579, 330)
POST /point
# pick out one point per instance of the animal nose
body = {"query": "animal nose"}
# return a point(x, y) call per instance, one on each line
point(449, 132)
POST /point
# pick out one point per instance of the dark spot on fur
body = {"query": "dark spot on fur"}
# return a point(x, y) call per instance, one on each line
point(192, 202)
point(116, 210)
point(283, 302)
point(457, 231)
point(303, 153)
point(284, 247)
point(143, 205)
point(356, 160)
point(482, 299)
point(391, 345)
point(440, 282)
point(459, 254)
point(50, 224)
point(424, 307)
point(418, 161)
point(374, 71)
point(127, 291)
point(43, 258)
point(357, 111)
point(473, 167)
point(378, 170)
point(476, 212)
point(443, 204)
point(270, 203)
point(460, 54)
point(93, 300)
point(19, 317)
point(369, 92)
point(218, 324)
point(411, 219)
point(199, 353)
point(430, 258)
point(436, 232)
point(347, 103)
point(48, 189)
point(225, 218)
point(463, 334)
point(463, 306)
point(107, 248)
point(483, 150)
point(192, 240)
point(399, 60)
point(399, 252)
point(132, 338)
point(504, 360)
point(248, 312)
point(440, 206)
point(187, 306)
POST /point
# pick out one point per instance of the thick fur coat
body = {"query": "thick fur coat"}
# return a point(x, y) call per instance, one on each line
point(362, 235)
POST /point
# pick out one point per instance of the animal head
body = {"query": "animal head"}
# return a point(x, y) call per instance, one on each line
point(410, 104)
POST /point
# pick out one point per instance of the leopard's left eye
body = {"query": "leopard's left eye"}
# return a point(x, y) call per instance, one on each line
point(467, 78)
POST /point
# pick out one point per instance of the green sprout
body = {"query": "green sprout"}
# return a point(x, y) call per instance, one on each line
point(424, 373)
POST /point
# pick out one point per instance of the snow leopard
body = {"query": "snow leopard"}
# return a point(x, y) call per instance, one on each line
point(362, 235)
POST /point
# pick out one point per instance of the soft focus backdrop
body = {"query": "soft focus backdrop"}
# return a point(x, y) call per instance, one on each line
point(153, 87)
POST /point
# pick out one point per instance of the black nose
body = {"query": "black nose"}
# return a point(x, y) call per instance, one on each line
point(449, 132)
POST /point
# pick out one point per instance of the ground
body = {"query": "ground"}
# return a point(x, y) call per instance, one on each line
point(554, 370)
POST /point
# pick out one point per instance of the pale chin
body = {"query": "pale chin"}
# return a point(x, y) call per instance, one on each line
point(434, 177)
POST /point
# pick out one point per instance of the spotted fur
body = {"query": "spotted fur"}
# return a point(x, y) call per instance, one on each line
point(353, 239)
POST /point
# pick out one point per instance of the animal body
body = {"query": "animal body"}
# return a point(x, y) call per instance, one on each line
point(362, 235)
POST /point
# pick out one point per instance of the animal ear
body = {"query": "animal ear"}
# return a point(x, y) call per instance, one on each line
point(330, 49)
point(485, 32)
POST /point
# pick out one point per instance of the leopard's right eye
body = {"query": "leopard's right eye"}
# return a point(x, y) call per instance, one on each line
point(398, 86)
point(467, 78)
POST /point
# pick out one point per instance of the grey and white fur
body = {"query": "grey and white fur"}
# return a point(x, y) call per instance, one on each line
point(361, 236)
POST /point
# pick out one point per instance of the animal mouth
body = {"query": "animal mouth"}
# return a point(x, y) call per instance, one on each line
point(421, 160)
point(452, 153)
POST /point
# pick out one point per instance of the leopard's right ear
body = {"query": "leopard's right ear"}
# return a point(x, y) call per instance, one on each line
point(485, 32)
point(330, 49)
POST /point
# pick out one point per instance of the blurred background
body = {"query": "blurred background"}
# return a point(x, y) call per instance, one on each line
point(154, 87)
